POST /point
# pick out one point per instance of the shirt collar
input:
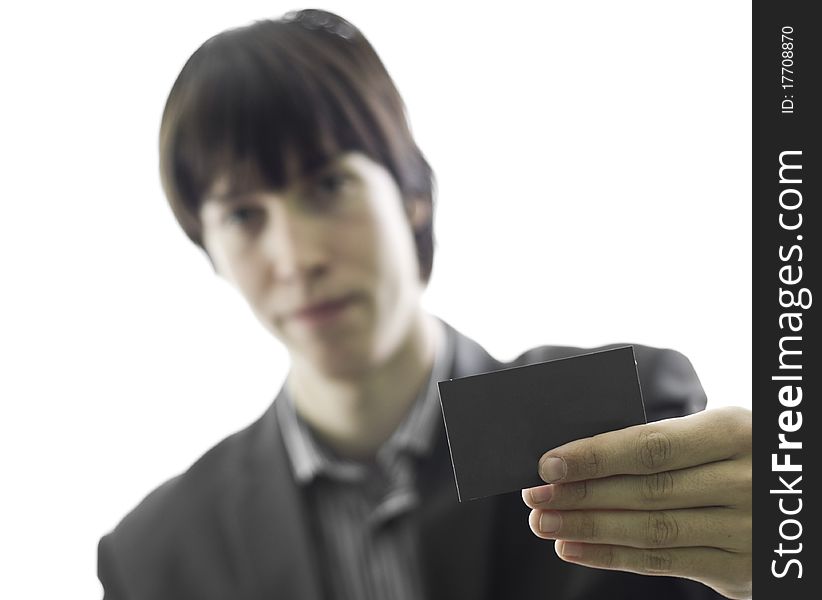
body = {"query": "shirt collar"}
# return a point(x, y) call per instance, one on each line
point(415, 434)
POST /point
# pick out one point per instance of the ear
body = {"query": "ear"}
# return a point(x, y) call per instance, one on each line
point(418, 211)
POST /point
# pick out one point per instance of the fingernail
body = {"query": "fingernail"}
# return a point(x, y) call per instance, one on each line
point(549, 522)
point(553, 469)
point(571, 549)
point(541, 494)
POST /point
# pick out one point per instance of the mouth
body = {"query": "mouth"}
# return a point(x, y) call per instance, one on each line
point(322, 313)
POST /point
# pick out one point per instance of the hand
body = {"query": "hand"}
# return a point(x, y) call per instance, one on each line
point(667, 498)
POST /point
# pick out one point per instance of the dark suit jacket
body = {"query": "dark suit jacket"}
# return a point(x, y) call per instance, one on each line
point(234, 525)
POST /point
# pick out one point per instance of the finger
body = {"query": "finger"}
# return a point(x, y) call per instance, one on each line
point(723, 483)
point(726, 572)
point(722, 528)
point(653, 448)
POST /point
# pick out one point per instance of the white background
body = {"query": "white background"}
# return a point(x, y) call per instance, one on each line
point(594, 186)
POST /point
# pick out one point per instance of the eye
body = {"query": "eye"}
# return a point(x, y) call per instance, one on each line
point(331, 183)
point(244, 216)
point(328, 188)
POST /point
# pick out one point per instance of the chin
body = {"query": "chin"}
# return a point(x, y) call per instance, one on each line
point(349, 356)
point(341, 365)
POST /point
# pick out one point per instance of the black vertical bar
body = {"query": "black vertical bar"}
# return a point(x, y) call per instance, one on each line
point(786, 69)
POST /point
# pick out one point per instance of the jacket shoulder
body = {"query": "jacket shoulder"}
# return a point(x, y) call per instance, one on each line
point(180, 518)
point(204, 482)
point(670, 386)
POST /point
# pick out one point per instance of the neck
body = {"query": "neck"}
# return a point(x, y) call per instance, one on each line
point(355, 416)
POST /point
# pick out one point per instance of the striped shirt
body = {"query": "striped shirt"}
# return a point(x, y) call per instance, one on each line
point(361, 511)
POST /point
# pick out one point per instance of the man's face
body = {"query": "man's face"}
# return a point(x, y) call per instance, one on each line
point(328, 264)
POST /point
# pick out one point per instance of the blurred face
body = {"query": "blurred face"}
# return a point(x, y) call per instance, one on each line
point(328, 264)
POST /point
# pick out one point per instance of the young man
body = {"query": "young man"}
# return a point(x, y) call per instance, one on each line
point(286, 156)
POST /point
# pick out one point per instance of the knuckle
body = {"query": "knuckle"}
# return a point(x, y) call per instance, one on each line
point(657, 561)
point(744, 534)
point(575, 492)
point(591, 463)
point(587, 526)
point(742, 486)
point(733, 533)
point(608, 557)
point(657, 486)
point(741, 416)
point(736, 481)
point(654, 450)
point(746, 476)
point(737, 423)
point(662, 529)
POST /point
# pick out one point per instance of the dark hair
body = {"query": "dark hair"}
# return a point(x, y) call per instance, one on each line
point(308, 86)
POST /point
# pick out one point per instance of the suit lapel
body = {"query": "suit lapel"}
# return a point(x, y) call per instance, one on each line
point(276, 538)
point(455, 538)
point(275, 541)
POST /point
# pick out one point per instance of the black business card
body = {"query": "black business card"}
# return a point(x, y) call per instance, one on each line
point(499, 424)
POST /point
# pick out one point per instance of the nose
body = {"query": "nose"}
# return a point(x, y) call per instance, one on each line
point(294, 245)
